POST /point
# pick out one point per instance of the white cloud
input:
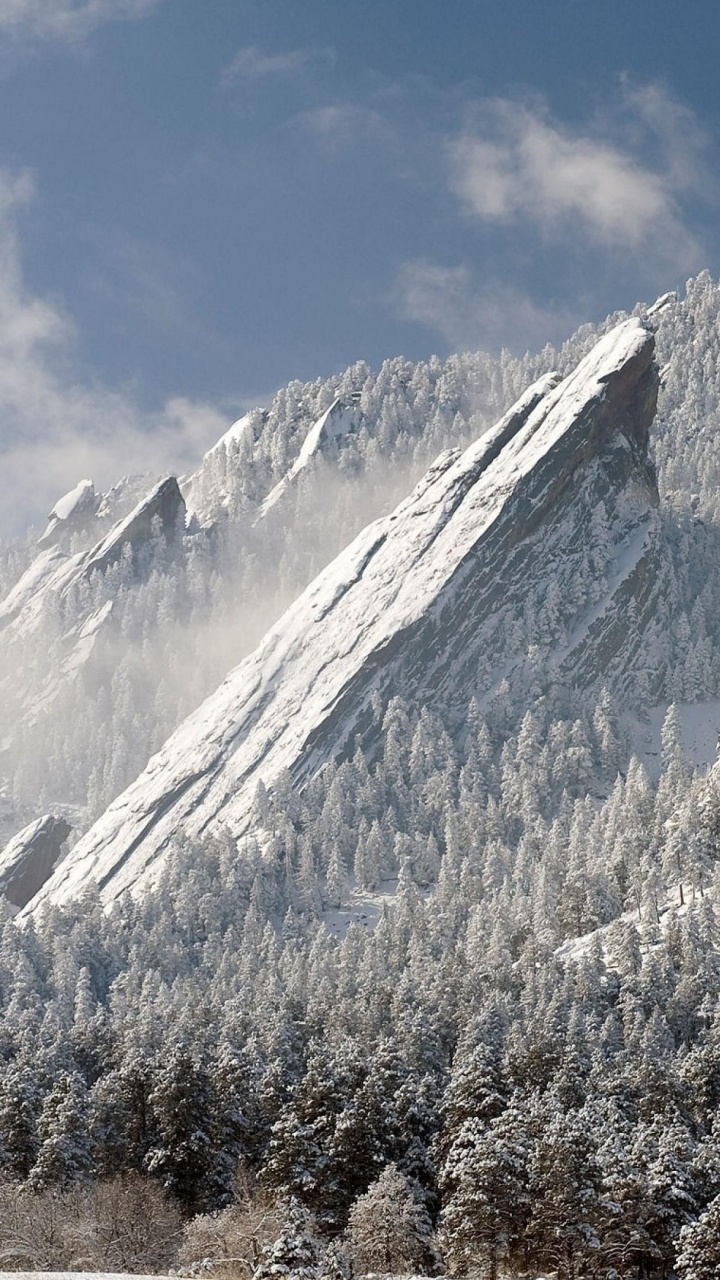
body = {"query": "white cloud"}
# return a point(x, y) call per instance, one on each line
point(342, 124)
point(517, 163)
point(56, 426)
point(66, 19)
point(675, 127)
point(252, 64)
point(445, 299)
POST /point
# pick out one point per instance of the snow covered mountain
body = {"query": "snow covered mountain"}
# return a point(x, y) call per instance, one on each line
point(536, 548)
point(460, 917)
point(340, 420)
point(55, 584)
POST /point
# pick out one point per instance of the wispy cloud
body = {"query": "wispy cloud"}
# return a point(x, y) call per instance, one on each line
point(616, 195)
point(682, 142)
point(447, 300)
point(252, 64)
point(56, 425)
point(66, 19)
point(516, 163)
point(341, 125)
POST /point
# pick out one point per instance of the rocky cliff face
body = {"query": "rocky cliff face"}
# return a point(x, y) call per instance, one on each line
point(29, 681)
point(55, 572)
point(29, 858)
point(538, 545)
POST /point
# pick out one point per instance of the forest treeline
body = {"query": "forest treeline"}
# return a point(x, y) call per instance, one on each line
point(504, 1094)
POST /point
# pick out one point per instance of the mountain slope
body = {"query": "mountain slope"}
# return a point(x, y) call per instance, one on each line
point(339, 421)
point(543, 535)
point(53, 577)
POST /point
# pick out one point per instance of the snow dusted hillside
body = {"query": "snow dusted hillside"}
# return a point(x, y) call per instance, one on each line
point(57, 584)
point(547, 524)
point(340, 420)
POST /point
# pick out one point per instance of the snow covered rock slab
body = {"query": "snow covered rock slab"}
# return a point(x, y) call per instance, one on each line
point(72, 511)
point(53, 572)
point(28, 860)
point(164, 502)
point(53, 586)
point(340, 420)
point(540, 538)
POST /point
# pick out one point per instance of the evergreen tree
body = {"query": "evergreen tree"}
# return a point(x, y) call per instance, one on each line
point(565, 1189)
point(698, 1251)
point(485, 1197)
point(64, 1154)
point(19, 1113)
point(297, 1253)
point(188, 1160)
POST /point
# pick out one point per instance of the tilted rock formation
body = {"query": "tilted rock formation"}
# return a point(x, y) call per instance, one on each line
point(53, 571)
point(48, 581)
point(164, 503)
point(73, 512)
point(28, 860)
point(541, 537)
point(339, 421)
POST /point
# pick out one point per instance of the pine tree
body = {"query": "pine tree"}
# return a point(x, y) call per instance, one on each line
point(19, 1112)
point(297, 1253)
point(188, 1159)
point(698, 1250)
point(64, 1155)
point(565, 1188)
point(484, 1189)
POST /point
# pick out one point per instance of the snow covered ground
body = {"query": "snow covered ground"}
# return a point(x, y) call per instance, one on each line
point(363, 908)
point(700, 729)
point(77, 1275)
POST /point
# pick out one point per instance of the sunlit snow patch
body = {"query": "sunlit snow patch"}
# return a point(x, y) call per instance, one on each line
point(699, 734)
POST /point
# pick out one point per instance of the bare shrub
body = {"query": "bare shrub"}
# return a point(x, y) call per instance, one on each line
point(230, 1243)
point(389, 1230)
point(33, 1229)
point(125, 1224)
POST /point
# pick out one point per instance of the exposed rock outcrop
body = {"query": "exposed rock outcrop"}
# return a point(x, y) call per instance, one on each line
point(74, 512)
point(28, 860)
point(52, 571)
point(48, 583)
point(541, 538)
point(326, 435)
point(164, 503)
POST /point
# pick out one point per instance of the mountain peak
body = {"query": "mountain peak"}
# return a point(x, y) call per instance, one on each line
point(420, 604)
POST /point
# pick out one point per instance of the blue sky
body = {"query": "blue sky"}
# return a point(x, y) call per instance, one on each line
point(202, 199)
